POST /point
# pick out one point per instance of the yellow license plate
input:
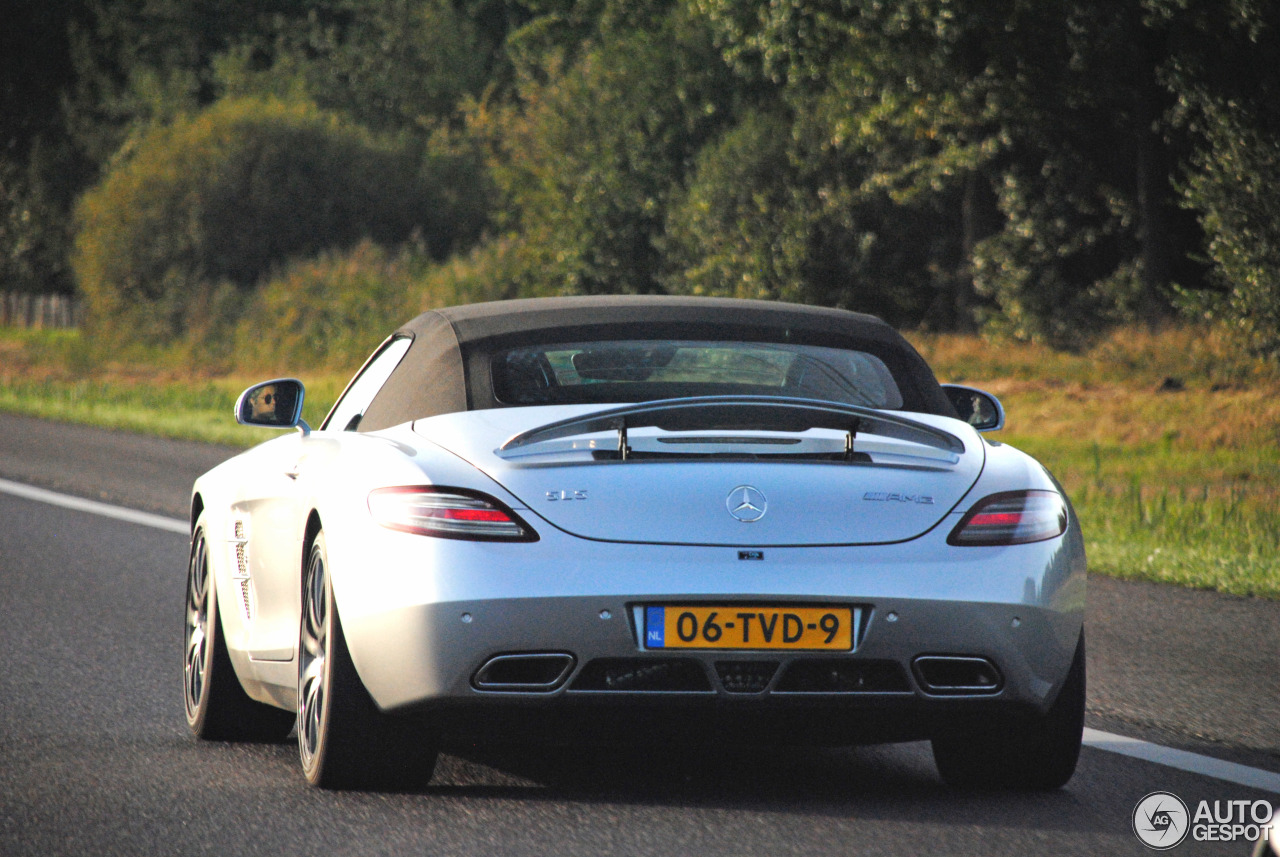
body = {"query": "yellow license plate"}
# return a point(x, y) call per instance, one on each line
point(749, 627)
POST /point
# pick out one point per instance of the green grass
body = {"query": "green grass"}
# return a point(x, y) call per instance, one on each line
point(1178, 487)
point(1189, 538)
point(1204, 519)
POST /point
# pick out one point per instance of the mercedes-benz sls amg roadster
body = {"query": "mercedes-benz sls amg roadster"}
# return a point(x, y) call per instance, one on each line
point(637, 518)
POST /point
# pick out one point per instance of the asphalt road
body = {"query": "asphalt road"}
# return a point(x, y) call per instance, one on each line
point(95, 757)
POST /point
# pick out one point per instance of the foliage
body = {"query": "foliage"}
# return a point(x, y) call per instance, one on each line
point(588, 154)
point(1058, 233)
point(765, 216)
point(33, 238)
point(39, 171)
point(1228, 80)
point(139, 62)
point(223, 197)
point(330, 311)
point(398, 64)
point(736, 230)
point(1234, 187)
point(390, 65)
point(491, 271)
point(1016, 136)
point(1045, 168)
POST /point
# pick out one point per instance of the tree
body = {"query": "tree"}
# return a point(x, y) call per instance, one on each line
point(39, 172)
point(140, 62)
point(391, 65)
point(599, 135)
point(1028, 129)
point(1225, 71)
point(766, 216)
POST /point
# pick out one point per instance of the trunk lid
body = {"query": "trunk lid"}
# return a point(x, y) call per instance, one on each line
point(741, 472)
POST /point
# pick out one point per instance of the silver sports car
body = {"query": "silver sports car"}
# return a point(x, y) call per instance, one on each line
point(658, 519)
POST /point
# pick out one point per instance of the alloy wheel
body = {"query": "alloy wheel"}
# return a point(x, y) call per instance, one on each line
point(196, 662)
point(313, 648)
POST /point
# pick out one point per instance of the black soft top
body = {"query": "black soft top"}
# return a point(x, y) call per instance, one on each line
point(447, 368)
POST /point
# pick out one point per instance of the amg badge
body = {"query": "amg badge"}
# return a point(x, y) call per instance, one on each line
point(883, 497)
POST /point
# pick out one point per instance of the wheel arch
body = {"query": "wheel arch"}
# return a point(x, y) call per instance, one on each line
point(309, 533)
point(197, 509)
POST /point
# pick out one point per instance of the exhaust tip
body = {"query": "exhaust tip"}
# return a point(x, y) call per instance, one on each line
point(957, 674)
point(534, 672)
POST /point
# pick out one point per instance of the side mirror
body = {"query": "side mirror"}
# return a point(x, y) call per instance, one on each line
point(273, 404)
point(977, 407)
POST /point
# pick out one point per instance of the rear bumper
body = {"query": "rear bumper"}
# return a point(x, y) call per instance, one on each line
point(588, 650)
point(433, 656)
point(423, 617)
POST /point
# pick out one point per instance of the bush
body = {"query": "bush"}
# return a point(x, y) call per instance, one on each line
point(493, 271)
point(225, 197)
point(330, 311)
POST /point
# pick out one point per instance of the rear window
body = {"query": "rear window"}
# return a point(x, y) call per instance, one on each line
point(644, 370)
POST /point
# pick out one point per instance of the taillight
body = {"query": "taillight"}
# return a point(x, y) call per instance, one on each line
point(1012, 518)
point(449, 513)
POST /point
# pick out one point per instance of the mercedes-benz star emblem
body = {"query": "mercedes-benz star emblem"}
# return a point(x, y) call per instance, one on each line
point(747, 504)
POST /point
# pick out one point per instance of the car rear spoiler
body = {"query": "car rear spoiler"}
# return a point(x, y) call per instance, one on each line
point(736, 413)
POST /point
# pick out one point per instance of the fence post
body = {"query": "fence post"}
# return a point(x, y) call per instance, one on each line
point(40, 312)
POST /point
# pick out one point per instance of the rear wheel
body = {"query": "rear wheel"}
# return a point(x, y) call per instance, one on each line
point(344, 741)
point(217, 707)
point(1022, 753)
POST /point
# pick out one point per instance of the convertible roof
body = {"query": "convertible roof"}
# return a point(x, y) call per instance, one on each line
point(433, 376)
point(504, 318)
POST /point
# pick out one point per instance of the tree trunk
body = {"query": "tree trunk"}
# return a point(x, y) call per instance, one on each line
point(1153, 189)
point(980, 218)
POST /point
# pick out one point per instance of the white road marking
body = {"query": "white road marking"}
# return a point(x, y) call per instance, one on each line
point(1206, 766)
point(93, 507)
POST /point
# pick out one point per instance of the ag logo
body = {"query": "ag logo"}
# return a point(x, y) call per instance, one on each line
point(1161, 820)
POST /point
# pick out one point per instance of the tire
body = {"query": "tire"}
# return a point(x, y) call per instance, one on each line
point(216, 705)
point(344, 741)
point(1032, 753)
